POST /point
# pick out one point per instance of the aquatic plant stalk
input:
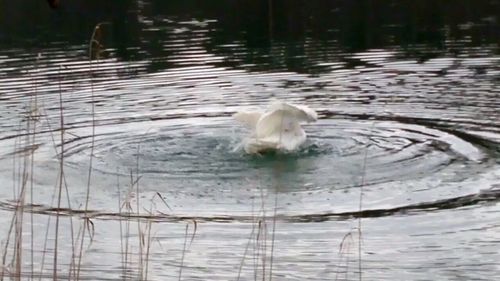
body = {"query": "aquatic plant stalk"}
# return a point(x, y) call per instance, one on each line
point(44, 251)
point(183, 252)
point(33, 116)
point(92, 143)
point(273, 235)
point(61, 168)
point(363, 174)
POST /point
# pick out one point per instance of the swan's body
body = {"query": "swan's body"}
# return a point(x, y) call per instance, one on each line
point(276, 129)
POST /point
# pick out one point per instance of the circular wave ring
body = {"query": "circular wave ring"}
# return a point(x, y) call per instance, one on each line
point(201, 164)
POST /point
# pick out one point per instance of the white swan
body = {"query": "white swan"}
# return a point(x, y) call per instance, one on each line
point(276, 129)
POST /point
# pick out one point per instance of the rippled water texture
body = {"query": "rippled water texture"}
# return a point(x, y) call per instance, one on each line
point(408, 98)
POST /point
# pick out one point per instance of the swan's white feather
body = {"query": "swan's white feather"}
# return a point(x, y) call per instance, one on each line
point(248, 118)
point(278, 128)
point(301, 113)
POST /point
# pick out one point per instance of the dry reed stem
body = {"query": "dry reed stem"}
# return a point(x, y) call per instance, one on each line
point(121, 226)
point(278, 176)
point(52, 201)
point(14, 216)
point(46, 236)
point(344, 249)
point(245, 252)
point(34, 108)
point(261, 238)
point(363, 175)
point(139, 232)
point(255, 224)
point(20, 202)
point(127, 204)
point(17, 219)
point(148, 247)
point(61, 168)
point(183, 252)
point(89, 177)
point(186, 246)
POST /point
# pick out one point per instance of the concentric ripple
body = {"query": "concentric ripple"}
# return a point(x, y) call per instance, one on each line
point(201, 160)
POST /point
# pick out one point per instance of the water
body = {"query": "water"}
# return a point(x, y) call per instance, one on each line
point(407, 96)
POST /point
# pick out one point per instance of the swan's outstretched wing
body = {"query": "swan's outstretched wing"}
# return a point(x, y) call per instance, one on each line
point(278, 128)
point(274, 123)
point(281, 129)
point(301, 113)
point(284, 118)
point(249, 118)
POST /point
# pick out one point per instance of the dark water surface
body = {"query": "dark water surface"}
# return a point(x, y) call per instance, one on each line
point(408, 97)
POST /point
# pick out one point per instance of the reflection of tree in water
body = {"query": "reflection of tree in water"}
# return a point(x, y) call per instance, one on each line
point(297, 34)
point(302, 33)
point(268, 34)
